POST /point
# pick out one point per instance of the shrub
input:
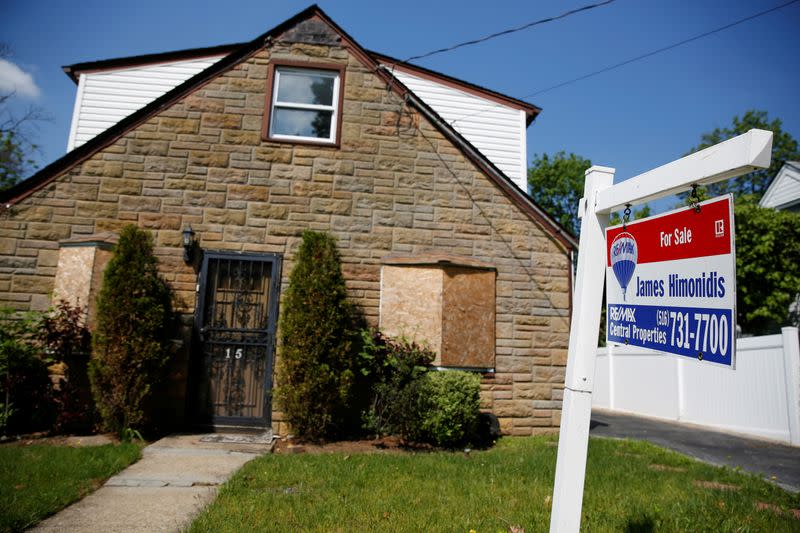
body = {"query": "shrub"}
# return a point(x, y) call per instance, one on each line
point(450, 404)
point(408, 400)
point(129, 345)
point(25, 387)
point(394, 368)
point(66, 339)
point(317, 373)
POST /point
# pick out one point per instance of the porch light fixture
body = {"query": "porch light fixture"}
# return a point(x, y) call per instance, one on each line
point(188, 243)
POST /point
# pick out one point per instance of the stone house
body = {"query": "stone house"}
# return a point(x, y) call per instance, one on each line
point(303, 128)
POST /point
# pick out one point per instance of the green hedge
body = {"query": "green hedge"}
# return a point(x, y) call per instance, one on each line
point(450, 407)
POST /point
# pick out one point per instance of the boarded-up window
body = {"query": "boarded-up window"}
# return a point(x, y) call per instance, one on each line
point(443, 302)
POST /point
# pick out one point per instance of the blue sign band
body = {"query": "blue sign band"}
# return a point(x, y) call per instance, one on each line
point(696, 332)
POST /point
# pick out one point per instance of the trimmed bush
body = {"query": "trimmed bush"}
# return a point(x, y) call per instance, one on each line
point(317, 379)
point(450, 402)
point(129, 344)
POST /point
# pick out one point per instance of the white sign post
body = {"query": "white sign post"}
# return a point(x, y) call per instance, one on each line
point(728, 159)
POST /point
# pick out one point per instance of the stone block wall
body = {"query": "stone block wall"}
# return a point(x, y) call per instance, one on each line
point(385, 190)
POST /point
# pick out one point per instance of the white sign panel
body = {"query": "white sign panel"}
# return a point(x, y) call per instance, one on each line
point(671, 282)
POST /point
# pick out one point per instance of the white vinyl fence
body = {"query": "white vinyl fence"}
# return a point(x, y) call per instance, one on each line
point(760, 398)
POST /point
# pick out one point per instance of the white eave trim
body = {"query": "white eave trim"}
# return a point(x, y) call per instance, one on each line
point(73, 128)
point(523, 152)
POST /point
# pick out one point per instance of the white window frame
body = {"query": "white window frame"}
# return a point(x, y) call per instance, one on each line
point(334, 107)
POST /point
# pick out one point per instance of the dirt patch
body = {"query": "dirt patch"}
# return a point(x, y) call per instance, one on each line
point(73, 441)
point(628, 454)
point(715, 485)
point(382, 445)
point(666, 468)
point(762, 506)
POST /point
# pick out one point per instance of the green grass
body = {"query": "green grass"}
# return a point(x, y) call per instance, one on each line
point(38, 480)
point(490, 490)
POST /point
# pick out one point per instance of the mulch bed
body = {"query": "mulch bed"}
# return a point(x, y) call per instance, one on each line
point(381, 445)
point(74, 441)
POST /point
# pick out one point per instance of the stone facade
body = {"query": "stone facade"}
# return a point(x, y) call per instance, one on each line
point(383, 191)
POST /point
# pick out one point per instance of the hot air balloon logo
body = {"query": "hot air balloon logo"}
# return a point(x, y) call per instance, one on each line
point(624, 254)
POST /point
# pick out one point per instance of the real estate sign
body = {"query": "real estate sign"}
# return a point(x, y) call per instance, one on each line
point(671, 282)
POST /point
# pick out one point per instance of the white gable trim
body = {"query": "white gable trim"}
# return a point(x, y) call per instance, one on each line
point(76, 111)
point(784, 191)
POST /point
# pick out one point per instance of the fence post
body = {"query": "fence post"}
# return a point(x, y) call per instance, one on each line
point(681, 371)
point(612, 382)
point(791, 366)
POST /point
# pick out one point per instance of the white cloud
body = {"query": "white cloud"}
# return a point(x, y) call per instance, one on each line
point(14, 79)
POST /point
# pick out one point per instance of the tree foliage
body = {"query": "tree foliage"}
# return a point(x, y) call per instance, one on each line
point(318, 363)
point(14, 163)
point(16, 131)
point(129, 343)
point(767, 267)
point(767, 275)
point(784, 148)
point(556, 185)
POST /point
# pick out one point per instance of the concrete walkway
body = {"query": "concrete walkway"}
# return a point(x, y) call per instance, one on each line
point(777, 463)
point(172, 482)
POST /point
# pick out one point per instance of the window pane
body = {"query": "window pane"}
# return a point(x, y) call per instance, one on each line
point(305, 88)
point(302, 123)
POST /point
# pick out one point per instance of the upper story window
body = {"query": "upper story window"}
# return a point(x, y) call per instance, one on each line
point(304, 104)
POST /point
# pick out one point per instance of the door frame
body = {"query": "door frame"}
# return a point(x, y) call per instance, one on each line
point(272, 321)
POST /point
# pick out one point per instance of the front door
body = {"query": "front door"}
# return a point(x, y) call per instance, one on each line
point(236, 319)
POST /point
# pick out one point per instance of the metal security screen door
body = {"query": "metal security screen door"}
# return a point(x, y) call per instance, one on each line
point(237, 315)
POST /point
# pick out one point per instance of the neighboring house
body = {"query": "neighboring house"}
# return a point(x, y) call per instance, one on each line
point(784, 191)
point(250, 144)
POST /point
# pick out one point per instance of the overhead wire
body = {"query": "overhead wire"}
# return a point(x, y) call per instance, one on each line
point(637, 58)
point(605, 69)
point(662, 49)
point(510, 30)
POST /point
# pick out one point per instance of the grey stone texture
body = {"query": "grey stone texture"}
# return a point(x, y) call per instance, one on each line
point(384, 190)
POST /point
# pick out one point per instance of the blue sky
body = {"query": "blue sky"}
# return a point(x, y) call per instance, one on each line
point(633, 118)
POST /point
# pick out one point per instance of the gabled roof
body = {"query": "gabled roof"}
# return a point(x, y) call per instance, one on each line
point(74, 71)
point(78, 155)
point(784, 191)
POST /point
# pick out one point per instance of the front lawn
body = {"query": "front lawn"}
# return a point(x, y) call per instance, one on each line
point(630, 485)
point(38, 480)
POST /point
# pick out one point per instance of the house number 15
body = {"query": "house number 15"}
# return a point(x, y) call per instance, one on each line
point(237, 354)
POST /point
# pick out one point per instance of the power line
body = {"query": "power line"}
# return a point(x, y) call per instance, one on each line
point(509, 31)
point(660, 50)
point(637, 58)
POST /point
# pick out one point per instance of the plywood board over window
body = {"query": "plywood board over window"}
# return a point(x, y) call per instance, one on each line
point(444, 302)
point(79, 275)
